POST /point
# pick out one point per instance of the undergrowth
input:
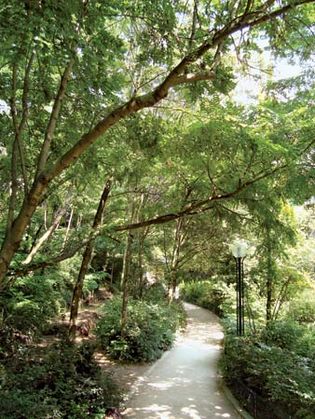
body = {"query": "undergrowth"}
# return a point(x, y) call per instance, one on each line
point(63, 383)
point(149, 331)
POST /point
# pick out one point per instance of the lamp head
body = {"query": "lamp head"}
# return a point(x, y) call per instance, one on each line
point(239, 248)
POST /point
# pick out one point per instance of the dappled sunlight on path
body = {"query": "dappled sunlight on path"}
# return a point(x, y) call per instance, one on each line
point(184, 382)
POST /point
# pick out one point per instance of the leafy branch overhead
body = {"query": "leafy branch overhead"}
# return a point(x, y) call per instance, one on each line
point(73, 70)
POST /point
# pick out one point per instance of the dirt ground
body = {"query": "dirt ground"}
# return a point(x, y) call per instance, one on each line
point(124, 374)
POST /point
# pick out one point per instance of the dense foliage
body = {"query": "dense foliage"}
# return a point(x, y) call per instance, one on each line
point(33, 301)
point(124, 157)
point(214, 295)
point(63, 382)
point(149, 331)
point(277, 366)
point(302, 308)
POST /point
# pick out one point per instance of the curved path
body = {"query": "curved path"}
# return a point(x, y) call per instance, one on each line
point(184, 383)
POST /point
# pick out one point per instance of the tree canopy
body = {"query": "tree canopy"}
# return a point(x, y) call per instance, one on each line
point(74, 76)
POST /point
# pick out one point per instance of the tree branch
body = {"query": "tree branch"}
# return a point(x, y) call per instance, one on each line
point(191, 77)
point(197, 207)
point(175, 77)
point(50, 130)
point(43, 178)
point(68, 253)
point(14, 156)
point(25, 111)
point(45, 236)
point(193, 25)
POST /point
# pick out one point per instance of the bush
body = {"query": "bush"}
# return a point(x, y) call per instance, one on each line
point(302, 309)
point(273, 373)
point(284, 334)
point(290, 335)
point(156, 292)
point(33, 300)
point(149, 331)
point(67, 383)
point(217, 297)
point(92, 282)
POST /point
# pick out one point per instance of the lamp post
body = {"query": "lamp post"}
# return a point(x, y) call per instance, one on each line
point(239, 250)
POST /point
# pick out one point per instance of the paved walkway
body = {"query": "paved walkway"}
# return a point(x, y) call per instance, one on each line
point(184, 382)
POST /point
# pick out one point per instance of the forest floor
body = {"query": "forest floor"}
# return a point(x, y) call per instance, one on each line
point(124, 374)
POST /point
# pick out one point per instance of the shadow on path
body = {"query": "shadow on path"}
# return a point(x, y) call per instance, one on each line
point(184, 383)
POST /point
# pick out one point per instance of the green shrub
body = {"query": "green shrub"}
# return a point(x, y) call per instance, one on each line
point(290, 335)
point(275, 374)
point(155, 293)
point(302, 309)
point(193, 291)
point(283, 334)
point(149, 331)
point(67, 383)
point(90, 286)
point(217, 297)
point(306, 344)
point(92, 282)
point(33, 300)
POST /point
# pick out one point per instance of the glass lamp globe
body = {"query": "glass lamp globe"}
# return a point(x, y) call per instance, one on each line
point(239, 248)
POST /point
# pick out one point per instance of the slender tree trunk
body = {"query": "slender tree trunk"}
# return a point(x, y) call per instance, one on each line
point(45, 236)
point(79, 220)
point(14, 157)
point(142, 236)
point(173, 284)
point(13, 188)
point(125, 282)
point(35, 238)
point(45, 216)
point(269, 279)
point(140, 265)
point(280, 300)
point(77, 291)
point(251, 318)
point(78, 288)
point(175, 258)
point(112, 273)
point(68, 229)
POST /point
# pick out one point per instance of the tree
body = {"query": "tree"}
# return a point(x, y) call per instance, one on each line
point(86, 259)
point(59, 58)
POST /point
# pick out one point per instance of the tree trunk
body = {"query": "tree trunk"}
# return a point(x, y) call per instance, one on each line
point(125, 282)
point(280, 300)
point(68, 229)
point(13, 188)
point(140, 265)
point(15, 233)
point(175, 258)
point(269, 279)
point(77, 291)
point(45, 236)
point(142, 236)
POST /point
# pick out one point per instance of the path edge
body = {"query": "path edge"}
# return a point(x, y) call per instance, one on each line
point(235, 403)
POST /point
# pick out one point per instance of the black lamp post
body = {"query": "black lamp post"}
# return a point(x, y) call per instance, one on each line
point(239, 250)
